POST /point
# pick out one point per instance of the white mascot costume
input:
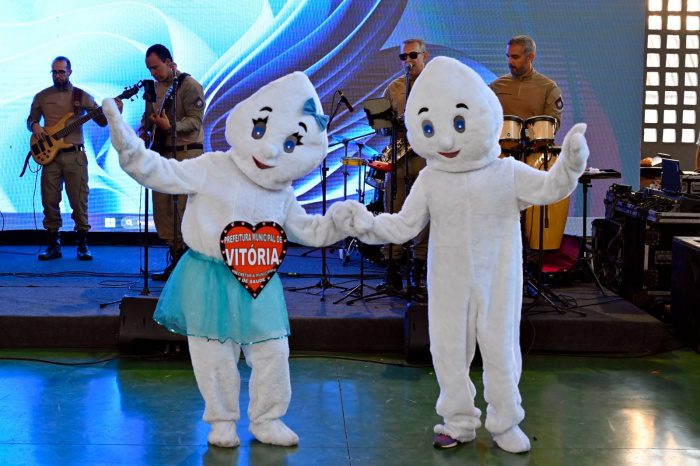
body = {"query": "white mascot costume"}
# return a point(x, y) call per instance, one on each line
point(224, 293)
point(472, 199)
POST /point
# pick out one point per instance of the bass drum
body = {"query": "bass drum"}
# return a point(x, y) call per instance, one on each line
point(556, 213)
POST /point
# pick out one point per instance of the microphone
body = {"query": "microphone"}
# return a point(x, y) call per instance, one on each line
point(409, 66)
point(345, 100)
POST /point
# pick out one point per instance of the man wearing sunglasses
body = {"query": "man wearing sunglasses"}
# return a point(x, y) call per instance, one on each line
point(69, 165)
point(413, 56)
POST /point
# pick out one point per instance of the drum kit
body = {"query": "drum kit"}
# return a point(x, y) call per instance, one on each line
point(531, 141)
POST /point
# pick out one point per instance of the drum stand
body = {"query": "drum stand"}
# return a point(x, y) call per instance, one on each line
point(583, 257)
point(389, 291)
point(542, 291)
point(358, 290)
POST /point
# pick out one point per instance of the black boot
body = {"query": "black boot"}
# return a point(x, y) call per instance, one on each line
point(172, 259)
point(53, 250)
point(392, 280)
point(81, 241)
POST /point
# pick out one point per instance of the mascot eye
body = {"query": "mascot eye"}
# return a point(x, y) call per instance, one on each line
point(259, 128)
point(428, 129)
point(459, 124)
point(292, 142)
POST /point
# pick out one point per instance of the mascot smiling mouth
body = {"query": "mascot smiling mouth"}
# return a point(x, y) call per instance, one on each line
point(449, 155)
point(261, 165)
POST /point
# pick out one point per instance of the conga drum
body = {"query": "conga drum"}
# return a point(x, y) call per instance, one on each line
point(539, 131)
point(511, 133)
point(556, 213)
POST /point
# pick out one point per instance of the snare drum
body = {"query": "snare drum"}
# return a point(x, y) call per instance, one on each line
point(539, 131)
point(510, 133)
point(556, 214)
point(353, 161)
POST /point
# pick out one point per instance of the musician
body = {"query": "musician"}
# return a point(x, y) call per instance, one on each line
point(414, 54)
point(524, 92)
point(158, 122)
point(69, 167)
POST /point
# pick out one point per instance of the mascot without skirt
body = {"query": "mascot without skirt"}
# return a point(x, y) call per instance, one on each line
point(241, 210)
point(472, 199)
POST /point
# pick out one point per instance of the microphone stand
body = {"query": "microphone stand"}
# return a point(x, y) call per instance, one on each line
point(324, 283)
point(149, 97)
point(390, 291)
point(407, 182)
point(173, 155)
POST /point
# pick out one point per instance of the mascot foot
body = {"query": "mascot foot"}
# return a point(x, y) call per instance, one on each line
point(449, 437)
point(274, 432)
point(513, 440)
point(223, 434)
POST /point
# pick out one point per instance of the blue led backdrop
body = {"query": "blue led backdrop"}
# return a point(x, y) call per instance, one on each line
point(234, 47)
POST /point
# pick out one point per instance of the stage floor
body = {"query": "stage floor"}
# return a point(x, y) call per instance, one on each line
point(68, 303)
point(347, 410)
point(356, 401)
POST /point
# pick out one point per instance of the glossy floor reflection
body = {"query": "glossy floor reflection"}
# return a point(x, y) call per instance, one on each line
point(359, 410)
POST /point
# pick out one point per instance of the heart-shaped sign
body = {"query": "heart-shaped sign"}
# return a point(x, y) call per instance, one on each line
point(253, 253)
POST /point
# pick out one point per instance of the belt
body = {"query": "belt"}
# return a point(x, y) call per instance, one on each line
point(75, 148)
point(163, 148)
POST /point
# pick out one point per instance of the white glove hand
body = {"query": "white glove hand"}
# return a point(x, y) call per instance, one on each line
point(575, 147)
point(351, 217)
point(124, 139)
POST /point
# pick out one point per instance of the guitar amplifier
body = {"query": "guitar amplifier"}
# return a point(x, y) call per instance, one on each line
point(685, 290)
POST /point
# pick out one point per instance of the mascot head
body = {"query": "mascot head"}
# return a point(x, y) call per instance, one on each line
point(454, 120)
point(278, 134)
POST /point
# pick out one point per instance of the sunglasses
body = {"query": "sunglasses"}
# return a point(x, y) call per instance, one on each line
point(61, 72)
point(411, 55)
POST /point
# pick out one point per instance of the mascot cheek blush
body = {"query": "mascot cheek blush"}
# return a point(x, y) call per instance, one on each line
point(472, 200)
point(241, 210)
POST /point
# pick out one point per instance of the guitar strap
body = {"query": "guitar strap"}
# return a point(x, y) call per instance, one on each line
point(77, 101)
point(166, 105)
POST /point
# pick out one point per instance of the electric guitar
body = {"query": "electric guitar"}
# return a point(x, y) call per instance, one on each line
point(45, 150)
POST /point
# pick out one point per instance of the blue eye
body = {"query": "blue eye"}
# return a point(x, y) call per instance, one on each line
point(292, 141)
point(459, 124)
point(428, 129)
point(259, 128)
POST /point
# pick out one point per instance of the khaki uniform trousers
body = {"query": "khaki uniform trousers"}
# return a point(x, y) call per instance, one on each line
point(163, 211)
point(69, 167)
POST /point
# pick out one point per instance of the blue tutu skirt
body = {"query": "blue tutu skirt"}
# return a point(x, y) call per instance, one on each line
point(202, 298)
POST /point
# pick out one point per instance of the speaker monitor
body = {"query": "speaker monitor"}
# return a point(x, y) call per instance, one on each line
point(685, 289)
point(415, 333)
point(138, 331)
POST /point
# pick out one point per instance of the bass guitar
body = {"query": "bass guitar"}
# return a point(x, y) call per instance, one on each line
point(43, 151)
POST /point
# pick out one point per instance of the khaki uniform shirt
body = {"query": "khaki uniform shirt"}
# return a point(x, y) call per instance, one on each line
point(189, 111)
point(53, 103)
point(529, 96)
point(396, 93)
